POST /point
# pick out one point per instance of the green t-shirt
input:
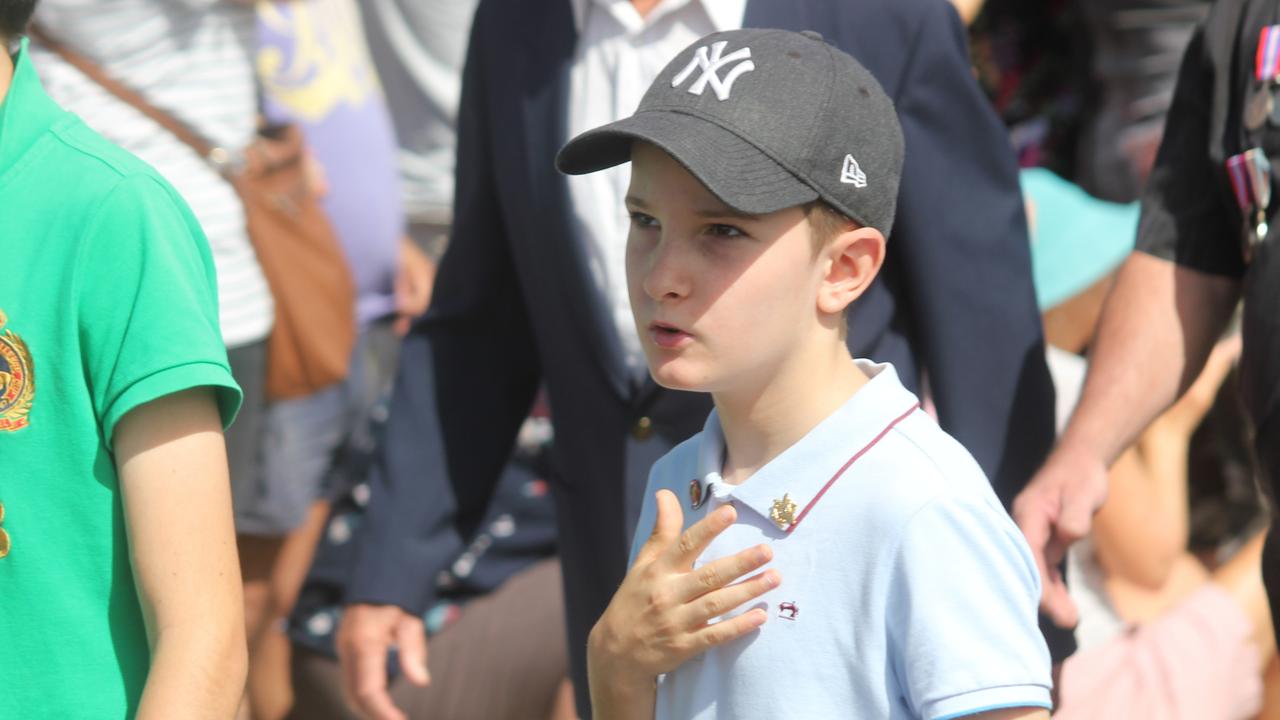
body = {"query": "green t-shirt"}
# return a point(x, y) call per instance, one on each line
point(107, 301)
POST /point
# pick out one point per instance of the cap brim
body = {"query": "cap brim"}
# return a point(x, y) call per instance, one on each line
point(734, 170)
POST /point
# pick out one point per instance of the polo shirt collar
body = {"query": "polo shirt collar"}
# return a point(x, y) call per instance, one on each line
point(26, 112)
point(724, 14)
point(804, 471)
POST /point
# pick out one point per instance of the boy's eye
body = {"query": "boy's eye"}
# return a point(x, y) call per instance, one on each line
point(640, 219)
point(722, 230)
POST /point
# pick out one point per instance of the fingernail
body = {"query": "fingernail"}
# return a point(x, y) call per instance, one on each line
point(771, 578)
point(759, 616)
point(764, 553)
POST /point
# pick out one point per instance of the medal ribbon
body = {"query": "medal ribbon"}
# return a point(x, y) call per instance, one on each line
point(1250, 174)
point(1240, 181)
point(1267, 60)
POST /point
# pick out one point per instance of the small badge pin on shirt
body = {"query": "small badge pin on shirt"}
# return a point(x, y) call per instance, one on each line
point(783, 512)
point(696, 496)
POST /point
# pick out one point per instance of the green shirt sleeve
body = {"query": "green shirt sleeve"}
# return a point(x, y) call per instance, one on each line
point(146, 304)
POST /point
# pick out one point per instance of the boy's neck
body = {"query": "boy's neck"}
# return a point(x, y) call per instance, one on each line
point(759, 424)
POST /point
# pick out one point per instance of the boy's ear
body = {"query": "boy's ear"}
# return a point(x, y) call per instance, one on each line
point(853, 260)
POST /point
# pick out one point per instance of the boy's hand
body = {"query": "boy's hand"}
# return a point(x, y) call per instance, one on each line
point(659, 617)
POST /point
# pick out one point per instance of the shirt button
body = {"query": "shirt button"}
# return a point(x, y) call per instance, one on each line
point(643, 429)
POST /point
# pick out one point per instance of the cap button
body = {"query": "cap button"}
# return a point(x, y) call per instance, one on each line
point(812, 35)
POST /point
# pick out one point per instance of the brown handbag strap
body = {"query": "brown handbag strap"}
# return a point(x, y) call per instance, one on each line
point(130, 96)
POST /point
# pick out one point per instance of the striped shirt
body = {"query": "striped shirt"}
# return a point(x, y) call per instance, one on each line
point(192, 59)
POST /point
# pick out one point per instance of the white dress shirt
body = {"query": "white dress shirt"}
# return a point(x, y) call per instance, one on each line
point(619, 54)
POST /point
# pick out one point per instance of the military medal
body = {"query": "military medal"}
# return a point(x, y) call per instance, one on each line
point(1259, 108)
point(1250, 174)
point(783, 512)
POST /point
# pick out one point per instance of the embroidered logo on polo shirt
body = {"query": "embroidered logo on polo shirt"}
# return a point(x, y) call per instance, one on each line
point(17, 380)
point(788, 611)
point(710, 63)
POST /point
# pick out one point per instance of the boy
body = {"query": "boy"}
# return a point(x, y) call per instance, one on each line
point(764, 178)
point(119, 588)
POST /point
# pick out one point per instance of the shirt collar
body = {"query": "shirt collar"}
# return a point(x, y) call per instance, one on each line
point(26, 112)
point(724, 14)
point(804, 471)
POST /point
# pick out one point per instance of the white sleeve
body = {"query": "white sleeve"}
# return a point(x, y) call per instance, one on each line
point(961, 612)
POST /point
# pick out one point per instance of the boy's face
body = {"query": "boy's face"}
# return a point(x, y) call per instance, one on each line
point(720, 299)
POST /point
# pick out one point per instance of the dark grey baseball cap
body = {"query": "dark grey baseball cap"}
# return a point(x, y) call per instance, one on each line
point(766, 120)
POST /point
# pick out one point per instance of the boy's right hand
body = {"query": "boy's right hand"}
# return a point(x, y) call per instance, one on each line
point(659, 617)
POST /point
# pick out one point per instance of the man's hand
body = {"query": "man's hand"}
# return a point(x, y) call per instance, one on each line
point(659, 618)
point(1055, 510)
point(414, 280)
point(365, 634)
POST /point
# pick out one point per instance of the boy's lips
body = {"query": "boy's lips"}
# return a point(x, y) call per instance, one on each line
point(667, 336)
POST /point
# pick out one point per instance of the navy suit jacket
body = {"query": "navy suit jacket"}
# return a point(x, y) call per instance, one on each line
point(515, 306)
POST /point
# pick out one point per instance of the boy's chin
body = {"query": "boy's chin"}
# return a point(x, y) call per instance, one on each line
point(673, 377)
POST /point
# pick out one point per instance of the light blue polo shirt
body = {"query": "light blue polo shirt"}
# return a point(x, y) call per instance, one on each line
point(907, 591)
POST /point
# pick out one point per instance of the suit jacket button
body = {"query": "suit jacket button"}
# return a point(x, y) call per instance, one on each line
point(643, 429)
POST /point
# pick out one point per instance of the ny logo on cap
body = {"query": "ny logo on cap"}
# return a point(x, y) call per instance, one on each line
point(851, 174)
point(711, 64)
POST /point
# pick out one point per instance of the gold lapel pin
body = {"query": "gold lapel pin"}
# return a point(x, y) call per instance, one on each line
point(783, 512)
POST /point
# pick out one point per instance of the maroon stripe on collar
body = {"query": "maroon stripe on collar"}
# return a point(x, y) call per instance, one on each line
point(849, 464)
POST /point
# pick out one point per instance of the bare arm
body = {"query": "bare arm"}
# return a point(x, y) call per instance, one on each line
point(1157, 328)
point(177, 502)
point(1156, 331)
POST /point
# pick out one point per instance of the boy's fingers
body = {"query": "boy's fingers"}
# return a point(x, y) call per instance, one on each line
point(730, 629)
point(725, 600)
point(696, 539)
point(666, 527)
point(719, 573)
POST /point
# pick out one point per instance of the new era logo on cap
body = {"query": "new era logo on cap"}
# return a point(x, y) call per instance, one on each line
point(851, 174)
point(711, 64)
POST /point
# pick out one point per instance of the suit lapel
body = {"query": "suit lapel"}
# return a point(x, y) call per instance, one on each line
point(550, 41)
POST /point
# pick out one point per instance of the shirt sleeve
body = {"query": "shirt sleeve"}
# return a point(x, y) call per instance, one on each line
point(1188, 214)
point(962, 613)
point(147, 304)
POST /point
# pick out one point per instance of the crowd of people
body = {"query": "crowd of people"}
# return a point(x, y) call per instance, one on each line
point(576, 431)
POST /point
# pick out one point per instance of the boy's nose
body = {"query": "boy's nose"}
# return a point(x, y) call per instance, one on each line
point(667, 278)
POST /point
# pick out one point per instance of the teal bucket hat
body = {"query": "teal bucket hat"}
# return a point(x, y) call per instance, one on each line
point(1076, 238)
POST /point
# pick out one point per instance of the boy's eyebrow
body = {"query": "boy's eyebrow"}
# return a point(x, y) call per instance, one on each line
point(719, 211)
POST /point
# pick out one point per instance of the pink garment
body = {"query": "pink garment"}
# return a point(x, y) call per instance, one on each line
point(1195, 662)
